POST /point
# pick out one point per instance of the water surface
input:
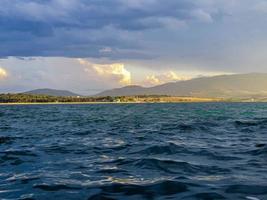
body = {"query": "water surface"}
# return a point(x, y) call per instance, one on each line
point(134, 151)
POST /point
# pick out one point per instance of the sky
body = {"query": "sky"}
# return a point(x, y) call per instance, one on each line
point(87, 46)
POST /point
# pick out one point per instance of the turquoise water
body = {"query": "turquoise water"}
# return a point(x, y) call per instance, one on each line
point(134, 151)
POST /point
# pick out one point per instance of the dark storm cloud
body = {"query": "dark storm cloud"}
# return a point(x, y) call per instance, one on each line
point(81, 28)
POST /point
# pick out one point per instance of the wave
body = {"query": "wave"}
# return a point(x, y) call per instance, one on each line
point(172, 149)
point(259, 151)
point(250, 123)
point(56, 187)
point(169, 149)
point(205, 196)
point(247, 189)
point(246, 123)
point(173, 167)
point(5, 139)
point(150, 191)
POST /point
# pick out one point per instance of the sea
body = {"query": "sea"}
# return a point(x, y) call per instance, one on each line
point(206, 151)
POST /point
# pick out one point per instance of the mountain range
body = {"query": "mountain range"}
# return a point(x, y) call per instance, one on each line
point(52, 92)
point(252, 85)
point(223, 86)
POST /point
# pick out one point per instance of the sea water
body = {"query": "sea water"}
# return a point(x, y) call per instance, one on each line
point(134, 151)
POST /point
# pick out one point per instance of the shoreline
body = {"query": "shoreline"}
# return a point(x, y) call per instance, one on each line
point(88, 103)
point(22, 99)
point(58, 103)
point(92, 103)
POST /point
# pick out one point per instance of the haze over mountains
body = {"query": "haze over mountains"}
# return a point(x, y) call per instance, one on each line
point(223, 86)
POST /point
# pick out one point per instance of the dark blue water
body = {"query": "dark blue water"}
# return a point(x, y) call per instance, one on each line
point(134, 151)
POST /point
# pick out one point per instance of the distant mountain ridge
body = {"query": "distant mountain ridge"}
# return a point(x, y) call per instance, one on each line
point(52, 92)
point(223, 86)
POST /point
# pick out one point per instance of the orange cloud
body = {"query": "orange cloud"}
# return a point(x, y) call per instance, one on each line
point(164, 78)
point(114, 71)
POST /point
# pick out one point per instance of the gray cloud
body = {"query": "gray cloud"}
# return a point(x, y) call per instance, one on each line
point(183, 34)
point(81, 28)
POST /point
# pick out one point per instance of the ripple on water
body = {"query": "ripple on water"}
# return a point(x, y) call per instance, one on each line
point(173, 166)
point(6, 139)
point(16, 157)
point(247, 189)
point(56, 187)
point(150, 191)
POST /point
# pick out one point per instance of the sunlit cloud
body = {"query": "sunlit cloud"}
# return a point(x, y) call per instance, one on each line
point(3, 73)
point(114, 72)
point(165, 77)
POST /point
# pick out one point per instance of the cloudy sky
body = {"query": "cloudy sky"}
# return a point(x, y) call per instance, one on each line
point(91, 45)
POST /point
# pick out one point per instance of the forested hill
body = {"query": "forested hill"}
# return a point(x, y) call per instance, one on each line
point(253, 85)
point(52, 92)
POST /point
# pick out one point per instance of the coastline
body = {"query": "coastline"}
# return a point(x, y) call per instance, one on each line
point(88, 103)
point(99, 103)
point(135, 100)
point(26, 99)
point(57, 103)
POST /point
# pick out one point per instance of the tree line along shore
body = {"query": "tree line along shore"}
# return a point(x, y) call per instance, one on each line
point(39, 99)
point(31, 98)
